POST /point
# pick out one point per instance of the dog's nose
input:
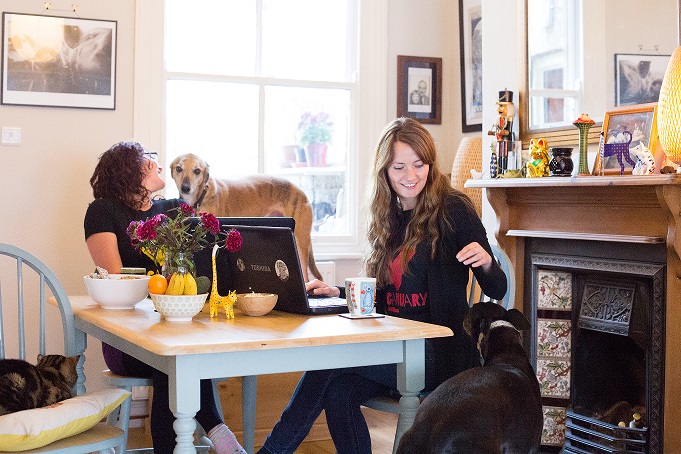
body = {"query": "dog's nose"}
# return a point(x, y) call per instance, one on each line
point(185, 188)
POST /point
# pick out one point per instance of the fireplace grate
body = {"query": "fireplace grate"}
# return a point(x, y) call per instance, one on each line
point(588, 435)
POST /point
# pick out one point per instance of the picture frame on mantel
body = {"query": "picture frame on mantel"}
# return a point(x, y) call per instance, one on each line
point(640, 121)
point(638, 78)
point(55, 61)
point(419, 88)
point(470, 43)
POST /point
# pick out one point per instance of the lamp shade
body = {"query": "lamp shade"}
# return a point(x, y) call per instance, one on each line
point(669, 109)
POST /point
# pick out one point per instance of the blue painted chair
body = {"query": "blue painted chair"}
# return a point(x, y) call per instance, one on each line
point(30, 313)
point(391, 405)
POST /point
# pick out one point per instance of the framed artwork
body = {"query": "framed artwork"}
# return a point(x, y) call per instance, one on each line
point(623, 129)
point(470, 41)
point(638, 78)
point(58, 61)
point(419, 88)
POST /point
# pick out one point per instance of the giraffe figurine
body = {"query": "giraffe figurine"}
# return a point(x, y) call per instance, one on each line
point(216, 301)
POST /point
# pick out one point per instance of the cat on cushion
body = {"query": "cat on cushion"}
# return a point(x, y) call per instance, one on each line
point(24, 386)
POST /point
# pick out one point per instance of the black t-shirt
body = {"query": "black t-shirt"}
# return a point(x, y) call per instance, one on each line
point(407, 294)
point(109, 215)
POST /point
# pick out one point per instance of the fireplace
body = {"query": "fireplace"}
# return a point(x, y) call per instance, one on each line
point(606, 252)
point(598, 313)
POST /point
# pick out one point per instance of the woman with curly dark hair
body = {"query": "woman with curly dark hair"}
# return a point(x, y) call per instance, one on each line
point(123, 185)
point(424, 239)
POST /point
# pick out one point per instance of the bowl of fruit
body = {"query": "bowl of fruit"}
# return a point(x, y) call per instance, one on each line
point(180, 298)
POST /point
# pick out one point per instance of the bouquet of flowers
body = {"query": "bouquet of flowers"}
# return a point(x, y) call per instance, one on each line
point(168, 241)
point(315, 128)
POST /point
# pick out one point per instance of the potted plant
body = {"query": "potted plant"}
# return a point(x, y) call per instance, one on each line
point(315, 132)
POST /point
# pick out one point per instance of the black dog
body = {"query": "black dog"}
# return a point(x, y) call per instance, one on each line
point(491, 409)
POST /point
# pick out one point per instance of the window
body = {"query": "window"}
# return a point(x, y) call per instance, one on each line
point(230, 79)
point(240, 78)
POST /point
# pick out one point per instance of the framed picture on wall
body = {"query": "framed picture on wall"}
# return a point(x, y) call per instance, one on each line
point(623, 129)
point(58, 61)
point(638, 78)
point(470, 41)
point(419, 88)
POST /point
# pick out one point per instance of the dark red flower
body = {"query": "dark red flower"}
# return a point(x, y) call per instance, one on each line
point(211, 223)
point(234, 241)
point(187, 210)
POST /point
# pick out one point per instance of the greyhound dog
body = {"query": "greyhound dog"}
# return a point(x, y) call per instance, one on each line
point(258, 195)
point(492, 409)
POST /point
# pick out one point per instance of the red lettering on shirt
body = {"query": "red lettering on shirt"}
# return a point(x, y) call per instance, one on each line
point(396, 271)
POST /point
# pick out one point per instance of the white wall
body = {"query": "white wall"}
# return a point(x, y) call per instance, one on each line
point(46, 178)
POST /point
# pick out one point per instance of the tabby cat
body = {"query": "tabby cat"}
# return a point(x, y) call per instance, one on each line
point(24, 386)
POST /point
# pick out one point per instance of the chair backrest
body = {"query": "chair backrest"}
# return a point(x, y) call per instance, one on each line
point(32, 320)
point(467, 157)
point(505, 263)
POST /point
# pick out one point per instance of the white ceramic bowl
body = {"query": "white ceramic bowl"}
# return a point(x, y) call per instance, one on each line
point(120, 291)
point(255, 304)
point(178, 308)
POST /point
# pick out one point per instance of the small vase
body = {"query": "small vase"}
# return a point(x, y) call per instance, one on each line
point(315, 154)
point(561, 164)
point(178, 262)
point(583, 148)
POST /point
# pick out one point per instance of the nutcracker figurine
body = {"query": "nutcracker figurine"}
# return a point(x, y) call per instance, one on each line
point(502, 129)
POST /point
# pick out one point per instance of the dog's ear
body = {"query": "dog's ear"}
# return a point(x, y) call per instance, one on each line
point(517, 319)
point(480, 316)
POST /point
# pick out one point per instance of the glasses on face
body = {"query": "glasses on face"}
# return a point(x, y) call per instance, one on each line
point(151, 155)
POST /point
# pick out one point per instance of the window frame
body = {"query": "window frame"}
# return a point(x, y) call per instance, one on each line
point(369, 101)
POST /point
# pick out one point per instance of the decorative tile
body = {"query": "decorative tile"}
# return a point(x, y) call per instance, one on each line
point(554, 290)
point(554, 338)
point(554, 377)
point(553, 433)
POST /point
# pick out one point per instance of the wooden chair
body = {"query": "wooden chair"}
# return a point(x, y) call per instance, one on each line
point(33, 322)
point(390, 405)
point(467, 157)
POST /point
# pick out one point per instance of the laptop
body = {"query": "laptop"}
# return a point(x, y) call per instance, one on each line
point(267, 263)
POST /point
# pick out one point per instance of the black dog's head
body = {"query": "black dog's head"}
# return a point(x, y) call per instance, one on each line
point(480, 318)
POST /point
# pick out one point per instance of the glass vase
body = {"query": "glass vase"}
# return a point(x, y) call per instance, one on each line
point(583, 148)
point(178, 262)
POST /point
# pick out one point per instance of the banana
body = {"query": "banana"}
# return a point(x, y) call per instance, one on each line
point(176, 285)
point(189, 285)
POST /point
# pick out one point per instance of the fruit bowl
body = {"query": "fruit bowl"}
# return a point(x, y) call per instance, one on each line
point(120, 291)
point(178, 308)
point(256, 304)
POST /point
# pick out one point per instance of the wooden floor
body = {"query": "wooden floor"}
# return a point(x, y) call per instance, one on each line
point(381, 426)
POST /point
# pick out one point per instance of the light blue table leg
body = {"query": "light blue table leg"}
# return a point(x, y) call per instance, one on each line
point(410, 382)
point(248, 397)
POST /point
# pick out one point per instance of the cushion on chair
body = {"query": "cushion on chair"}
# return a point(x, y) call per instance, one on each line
point(30, 429)
point(468, 156)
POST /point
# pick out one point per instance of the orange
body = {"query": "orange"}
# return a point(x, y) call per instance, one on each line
point(157, 284)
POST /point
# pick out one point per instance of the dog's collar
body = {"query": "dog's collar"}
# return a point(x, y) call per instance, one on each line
point(499, 323)
point(203, 194)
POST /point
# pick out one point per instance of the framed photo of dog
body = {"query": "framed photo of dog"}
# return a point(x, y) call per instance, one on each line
point(624, 129)
point(419, 88)
point(58, 61)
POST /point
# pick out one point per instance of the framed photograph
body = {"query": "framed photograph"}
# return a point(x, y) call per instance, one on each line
point(419, 88)
point(638, 78)
point(623, 129)
point(470, 41)
point(58, 61)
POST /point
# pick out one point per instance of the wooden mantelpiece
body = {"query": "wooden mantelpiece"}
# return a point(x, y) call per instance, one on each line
point(616, 210)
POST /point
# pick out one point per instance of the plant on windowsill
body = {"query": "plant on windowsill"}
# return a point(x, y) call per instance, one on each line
point(315, 132)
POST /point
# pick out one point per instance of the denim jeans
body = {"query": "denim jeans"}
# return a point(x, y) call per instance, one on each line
point(340, 392)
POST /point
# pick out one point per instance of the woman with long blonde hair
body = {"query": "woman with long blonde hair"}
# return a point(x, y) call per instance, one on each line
point(424, 238)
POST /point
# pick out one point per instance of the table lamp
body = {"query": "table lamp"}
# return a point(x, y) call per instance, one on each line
point(669, 109)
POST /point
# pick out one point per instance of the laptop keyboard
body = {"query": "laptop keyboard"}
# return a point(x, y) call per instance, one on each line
point(324, 301)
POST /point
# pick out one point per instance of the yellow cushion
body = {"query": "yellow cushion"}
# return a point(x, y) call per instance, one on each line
point(30, 429)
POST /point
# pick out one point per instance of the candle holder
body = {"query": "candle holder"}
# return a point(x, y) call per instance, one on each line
point(583, 123)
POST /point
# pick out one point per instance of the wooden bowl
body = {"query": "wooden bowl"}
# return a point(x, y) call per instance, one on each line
point(256, 304)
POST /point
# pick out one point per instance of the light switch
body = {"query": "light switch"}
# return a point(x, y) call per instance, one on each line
point(11, 136)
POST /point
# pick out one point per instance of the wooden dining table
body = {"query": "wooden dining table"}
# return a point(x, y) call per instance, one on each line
point(278, 342)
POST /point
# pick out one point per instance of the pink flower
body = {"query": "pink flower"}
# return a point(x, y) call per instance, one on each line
point(186, 209)
point(234, 241)
point(210, 222)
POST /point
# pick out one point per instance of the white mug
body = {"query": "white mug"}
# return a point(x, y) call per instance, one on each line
point(360, 293)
